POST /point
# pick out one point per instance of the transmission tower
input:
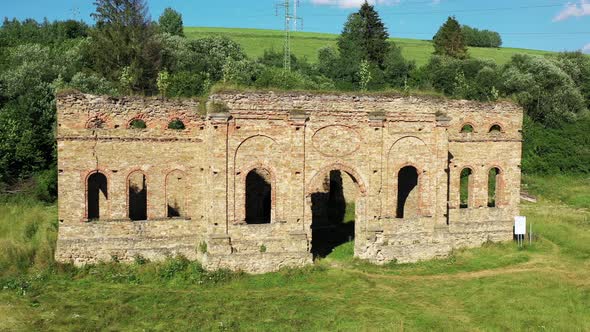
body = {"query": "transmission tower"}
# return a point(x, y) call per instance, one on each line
point(289, 17)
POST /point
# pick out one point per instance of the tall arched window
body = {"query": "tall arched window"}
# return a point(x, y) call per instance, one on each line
point(493, 184)
point(258, 196)
point(175, 194)
point(407, 192)
point(465, 188)
point(137, 186)
point(97, 195)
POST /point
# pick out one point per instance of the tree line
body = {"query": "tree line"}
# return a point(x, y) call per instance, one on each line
point(125, 52)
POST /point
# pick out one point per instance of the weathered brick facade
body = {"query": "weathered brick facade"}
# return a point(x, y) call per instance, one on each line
point(240, 186)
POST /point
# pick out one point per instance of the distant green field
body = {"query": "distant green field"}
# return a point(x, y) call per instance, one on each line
point(307, 44)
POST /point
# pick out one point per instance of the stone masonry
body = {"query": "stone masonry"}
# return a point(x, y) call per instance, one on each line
point(240, 187)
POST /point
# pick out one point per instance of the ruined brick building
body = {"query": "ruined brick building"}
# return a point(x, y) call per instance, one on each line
point(254, 181)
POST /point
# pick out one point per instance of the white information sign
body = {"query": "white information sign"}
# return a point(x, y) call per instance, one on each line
point(520, 225)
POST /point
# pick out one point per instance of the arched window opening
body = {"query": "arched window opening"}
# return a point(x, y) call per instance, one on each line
point(333, 208)
point(175, 194)
point(95, 123)
point(493, 180)
point(407, 193)
point(258, 197)
point(137, 124)
point(495, 129)
point(465, 188)
point(467, 128)
point(97, 195)
point(137, 186)
point(176, 124)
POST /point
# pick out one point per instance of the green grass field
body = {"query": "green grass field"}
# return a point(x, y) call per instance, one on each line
point(545, 286)
point(307, 44)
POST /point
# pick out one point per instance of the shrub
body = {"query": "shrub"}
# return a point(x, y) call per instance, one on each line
point(46, 185)
point(186, 84)
point(137, 124)
point(176, 124)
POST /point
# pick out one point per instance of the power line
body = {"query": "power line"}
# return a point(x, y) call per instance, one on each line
point(387, 13)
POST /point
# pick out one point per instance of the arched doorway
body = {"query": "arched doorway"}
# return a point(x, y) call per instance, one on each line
point(258, 196)
point(333, 202)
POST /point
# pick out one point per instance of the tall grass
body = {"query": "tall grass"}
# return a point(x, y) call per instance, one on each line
point(28, 233)
point(543, 286)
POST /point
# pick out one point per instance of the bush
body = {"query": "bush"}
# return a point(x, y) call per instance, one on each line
point(556, 150)
point(46, 185)
point(185, 84)
point(397, 69)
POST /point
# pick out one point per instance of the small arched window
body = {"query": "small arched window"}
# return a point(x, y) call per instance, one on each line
point(137, 124)
point(407, 192)
point(97, 195)
point(467, 128)
point(465, 188)
point(95, 123)
point(493, 186)
point(495, 129)
point(176, 124)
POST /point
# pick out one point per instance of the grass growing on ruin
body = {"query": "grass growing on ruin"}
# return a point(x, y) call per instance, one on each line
point(307, 44)
point(545, 286)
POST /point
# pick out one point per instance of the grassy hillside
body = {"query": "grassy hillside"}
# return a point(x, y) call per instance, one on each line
point(545, 286)
point(306, 44)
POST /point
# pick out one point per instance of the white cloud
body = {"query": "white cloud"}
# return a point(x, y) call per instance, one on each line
point(586, 49)
point(353, 3)
point(573, 10)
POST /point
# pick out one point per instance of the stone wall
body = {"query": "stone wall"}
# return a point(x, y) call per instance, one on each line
point(197, 179)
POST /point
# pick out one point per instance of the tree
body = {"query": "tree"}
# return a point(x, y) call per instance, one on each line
point(124, 43)
point(171, 22)
point(449, 40)
point(364, 36)
point(546, 92)
point(397, 69)
point(481, 38)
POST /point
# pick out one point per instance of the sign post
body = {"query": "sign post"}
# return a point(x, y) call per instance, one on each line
point(519, 228)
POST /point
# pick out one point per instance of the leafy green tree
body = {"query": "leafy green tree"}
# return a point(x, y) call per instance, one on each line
point(449, 40)
point(481, 38)
point(577, 66)
point(124, 39)
point(171, 22)
point(397, 69)
point(547, 93)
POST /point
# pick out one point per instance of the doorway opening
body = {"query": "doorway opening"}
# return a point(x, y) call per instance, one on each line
point(333, 213)
point(258, 197)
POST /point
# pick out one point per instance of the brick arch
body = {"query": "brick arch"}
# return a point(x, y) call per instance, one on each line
point(141, 117)
point(420, 186)
point(467, 123)
point(85, 178)
point(500, 185)
point(470, 186)
point(273, 188)
point(318, 178)
point(250, 138)
point(105, 120)
point(406, 138)
point(502, 130)
point(132, 172)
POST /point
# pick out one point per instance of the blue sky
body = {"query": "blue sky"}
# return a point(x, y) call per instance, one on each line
point(537, 24)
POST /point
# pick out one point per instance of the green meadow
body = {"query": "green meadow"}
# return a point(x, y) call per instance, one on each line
point(307, 44)
point(498, 287)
